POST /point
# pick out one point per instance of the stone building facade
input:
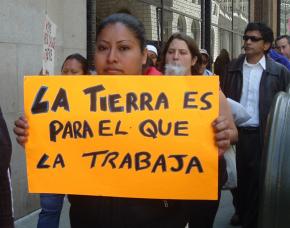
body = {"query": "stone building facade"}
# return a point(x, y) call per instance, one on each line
point(184, 16)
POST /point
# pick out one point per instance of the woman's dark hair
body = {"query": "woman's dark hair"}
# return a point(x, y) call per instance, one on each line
point(149, 63)
point(192, 46)
point(131, 22)
point(82, 60)
point(221, 62)
point(266, 32)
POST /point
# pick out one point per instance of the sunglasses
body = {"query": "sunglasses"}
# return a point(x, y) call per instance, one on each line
point(252, 38)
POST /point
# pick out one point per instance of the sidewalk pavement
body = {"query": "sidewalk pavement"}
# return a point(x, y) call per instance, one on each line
point(223, 217)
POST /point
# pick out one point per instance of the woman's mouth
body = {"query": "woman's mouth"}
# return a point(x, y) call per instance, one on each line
point(112, 70)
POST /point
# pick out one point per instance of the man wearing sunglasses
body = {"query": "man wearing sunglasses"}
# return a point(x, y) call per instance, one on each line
point(253, 80)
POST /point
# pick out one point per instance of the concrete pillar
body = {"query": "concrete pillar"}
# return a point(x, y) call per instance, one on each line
point(21, 24)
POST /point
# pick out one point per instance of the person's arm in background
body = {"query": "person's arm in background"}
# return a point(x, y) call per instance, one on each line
point(6, 211)
point(277, 57)
point(226, 131)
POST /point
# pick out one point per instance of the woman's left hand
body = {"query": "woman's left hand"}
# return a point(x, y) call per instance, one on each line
point(222, 130)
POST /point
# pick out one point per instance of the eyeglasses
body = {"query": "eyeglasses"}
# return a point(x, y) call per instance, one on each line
point(252, 38)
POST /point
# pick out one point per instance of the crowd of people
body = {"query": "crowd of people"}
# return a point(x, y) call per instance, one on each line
point(252, 80)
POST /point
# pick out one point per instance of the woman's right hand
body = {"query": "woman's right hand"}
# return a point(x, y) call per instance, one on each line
point(21, 130)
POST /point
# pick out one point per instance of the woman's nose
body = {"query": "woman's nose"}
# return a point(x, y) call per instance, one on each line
point(112, 56)
point(176, 55)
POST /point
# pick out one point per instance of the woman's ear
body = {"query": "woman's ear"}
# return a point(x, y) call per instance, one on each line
point(194, 60)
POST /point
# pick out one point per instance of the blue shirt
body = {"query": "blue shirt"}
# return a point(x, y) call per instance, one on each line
point(207, 72)
point(279, 58)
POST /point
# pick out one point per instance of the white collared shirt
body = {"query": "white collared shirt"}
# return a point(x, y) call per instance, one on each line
point(252, 74)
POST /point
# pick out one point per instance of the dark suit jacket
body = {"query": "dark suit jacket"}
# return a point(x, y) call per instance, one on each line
point(274, 79)
point(6, 215)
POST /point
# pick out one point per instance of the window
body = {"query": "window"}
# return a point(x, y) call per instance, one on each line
point(284, 17)
point(232, 18)
point(181, 24)
point(195, 29)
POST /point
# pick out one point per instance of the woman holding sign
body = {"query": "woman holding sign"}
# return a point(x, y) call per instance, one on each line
point(120, 50)
point(181, 56)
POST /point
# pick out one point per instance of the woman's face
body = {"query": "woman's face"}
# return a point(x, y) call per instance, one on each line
point(72, 67)
point(118, 52)
point(179, 54)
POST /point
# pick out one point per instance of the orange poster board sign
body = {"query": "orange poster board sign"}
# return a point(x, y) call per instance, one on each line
point(122, 136)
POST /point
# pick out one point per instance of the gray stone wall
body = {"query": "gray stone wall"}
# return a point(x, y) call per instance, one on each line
point(21, 24)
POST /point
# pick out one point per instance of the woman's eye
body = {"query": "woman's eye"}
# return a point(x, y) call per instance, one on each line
point(183, 52)
point(102, 48)
point(124, 48)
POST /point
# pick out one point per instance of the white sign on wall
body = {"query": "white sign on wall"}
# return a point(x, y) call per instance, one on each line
point(49, 38)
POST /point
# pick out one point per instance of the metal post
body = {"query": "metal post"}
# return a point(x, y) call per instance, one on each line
point(279, 17)
point(232, 41)
point(91, 30)
point(285, 18)
point(207, 26)
point(202, 34)
point(162, 21)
